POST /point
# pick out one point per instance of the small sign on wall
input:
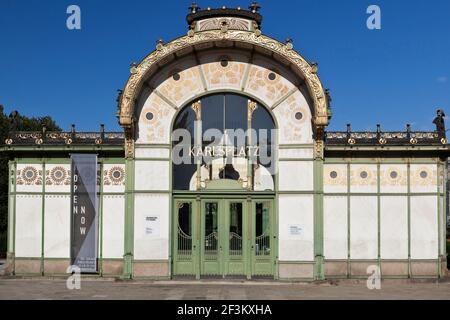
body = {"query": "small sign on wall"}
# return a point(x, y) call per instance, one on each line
point(295, 230)
point(152, 226)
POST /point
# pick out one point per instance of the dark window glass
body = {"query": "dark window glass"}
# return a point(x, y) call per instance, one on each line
point(222, 112)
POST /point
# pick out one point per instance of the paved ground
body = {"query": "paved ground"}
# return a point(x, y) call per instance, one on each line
point(45, 289)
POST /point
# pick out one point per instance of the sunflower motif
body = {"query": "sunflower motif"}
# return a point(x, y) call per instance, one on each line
point(116, 175)
point(58, 175)
point(29, 174)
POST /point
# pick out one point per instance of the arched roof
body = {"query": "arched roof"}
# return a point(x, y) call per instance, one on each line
point(196, 40)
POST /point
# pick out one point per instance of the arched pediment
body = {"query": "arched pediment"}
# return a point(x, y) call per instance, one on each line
point(198, 41)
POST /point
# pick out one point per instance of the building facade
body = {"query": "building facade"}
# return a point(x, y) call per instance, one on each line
point(224, 168)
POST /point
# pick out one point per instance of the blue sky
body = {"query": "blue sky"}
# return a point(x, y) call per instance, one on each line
point(393, 76)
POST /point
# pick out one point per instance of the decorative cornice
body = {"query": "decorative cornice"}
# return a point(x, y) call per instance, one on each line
point(142, 72)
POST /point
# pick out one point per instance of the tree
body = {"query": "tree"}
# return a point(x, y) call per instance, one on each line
point(23, 124)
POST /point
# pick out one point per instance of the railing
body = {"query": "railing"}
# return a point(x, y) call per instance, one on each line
point(384, 138)
point(64, 138)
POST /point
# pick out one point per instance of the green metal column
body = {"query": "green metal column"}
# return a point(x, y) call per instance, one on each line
point(319, 273)
point(129, 219)
point(11, 216)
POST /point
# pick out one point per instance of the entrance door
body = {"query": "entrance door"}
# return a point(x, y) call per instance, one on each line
point(263, 239)
point(211, 243)
point(185, 243)
point(224, 237)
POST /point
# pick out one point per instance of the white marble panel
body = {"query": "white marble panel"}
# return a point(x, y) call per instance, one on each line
point(113, 226)
point(335, 178)
point(296, 211)
point(57, 227)
point(29, 177)
point(28, 226)
point(151, 244)
point(152, 175)
point(335, 227)
point(424, 227)
point(363, 227)
point(296, 175)
point(394, 227)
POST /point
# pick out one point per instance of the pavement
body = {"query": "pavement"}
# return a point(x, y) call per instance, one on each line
point(110, 289)
point(2, 266)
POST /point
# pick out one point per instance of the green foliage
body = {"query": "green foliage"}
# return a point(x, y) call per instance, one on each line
point(24, 124)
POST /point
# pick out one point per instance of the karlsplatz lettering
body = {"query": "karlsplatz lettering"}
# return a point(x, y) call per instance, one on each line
point(221, 151)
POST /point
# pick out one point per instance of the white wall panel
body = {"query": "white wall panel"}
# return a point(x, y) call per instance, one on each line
point(29, 178)
point(113, 226)
point(363, 178)
point(424, 178)
point(152, 175)
point(363, 227)
point(114, 178)
point(296, 176)
point(394, 178)
point(394, 227)
point(335, 227)
point(57, 178)
point(335, 178)
point(296, 153)
point(163, 153)
point(57, 227)
point(424, 227)
point(151, 246)
point(28, 226)
point(298, 211)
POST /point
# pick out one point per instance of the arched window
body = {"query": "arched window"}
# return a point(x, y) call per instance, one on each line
point(236, 143)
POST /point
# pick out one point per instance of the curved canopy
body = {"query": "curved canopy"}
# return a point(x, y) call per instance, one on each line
point(249, 40)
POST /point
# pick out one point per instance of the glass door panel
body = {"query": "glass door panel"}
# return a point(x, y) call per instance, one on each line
point(184, 240)
point(211, 246)
point(263, 236)
point(236, 238)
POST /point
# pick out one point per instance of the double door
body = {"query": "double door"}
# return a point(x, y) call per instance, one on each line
point(224, 237)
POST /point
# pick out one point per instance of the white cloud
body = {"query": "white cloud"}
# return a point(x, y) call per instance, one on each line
point(442, 79)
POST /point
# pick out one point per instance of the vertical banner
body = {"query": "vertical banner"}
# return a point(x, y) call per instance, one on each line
point(84, 212)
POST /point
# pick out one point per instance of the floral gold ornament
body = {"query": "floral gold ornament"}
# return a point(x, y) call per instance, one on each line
point(252, 106)
point(197, 107)
point(413, 141)
point(351, 141)
point(444, 141)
